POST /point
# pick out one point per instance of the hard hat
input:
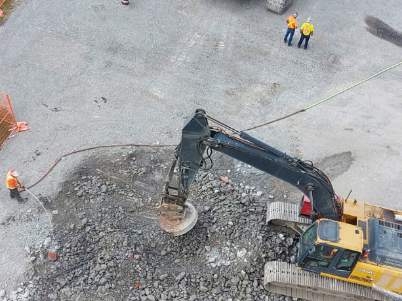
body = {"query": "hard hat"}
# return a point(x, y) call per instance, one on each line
point(14, 173)
point(309, 19)
point(295, 15)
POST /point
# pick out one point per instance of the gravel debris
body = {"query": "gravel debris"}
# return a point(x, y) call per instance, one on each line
point(109, 245)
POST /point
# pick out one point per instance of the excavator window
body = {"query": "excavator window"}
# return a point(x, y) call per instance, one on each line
point(308, 239)
point(321, 256)
point(347, 260)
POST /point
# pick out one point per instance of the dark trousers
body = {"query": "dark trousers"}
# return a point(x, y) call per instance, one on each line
point(302, 38)
point(289, 33)
point(15, 194)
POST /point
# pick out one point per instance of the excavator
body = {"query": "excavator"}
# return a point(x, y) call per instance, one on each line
point(348, 250)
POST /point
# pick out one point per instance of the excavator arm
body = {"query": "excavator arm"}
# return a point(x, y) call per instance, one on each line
point(199, 138)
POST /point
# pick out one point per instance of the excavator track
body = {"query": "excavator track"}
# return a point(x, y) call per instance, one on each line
point(288, 279)
point(286, 214)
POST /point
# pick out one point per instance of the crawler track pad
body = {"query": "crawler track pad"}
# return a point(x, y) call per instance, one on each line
point(178, 223)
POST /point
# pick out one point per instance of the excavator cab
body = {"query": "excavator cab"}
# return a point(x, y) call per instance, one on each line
point(330, 247)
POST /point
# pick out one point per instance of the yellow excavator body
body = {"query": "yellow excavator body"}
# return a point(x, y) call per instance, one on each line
point(376, 233)
point(369, 274)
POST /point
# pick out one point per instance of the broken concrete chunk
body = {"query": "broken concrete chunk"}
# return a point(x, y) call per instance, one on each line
point(52, 255)
point(180, 276)
point(103, 188)
point(224, 179)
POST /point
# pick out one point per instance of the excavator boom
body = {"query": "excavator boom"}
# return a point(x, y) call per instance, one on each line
point(198, 138)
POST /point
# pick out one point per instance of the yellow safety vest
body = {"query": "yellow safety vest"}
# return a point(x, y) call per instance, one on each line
point(307, 28)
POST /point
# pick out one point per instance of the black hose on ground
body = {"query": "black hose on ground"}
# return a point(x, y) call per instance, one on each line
point(93, 148)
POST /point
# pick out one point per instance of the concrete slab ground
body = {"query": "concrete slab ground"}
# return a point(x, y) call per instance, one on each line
point(93, 73)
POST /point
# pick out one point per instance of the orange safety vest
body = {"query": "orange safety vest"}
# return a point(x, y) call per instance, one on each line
point(292, 23)
point(11, 182)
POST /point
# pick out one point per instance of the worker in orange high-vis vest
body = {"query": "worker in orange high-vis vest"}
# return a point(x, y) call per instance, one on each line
point(306, 31)
point(292, 25)
point(14, 185)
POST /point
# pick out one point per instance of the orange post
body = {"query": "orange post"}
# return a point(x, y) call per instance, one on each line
point(1, 11)
point(8, 123)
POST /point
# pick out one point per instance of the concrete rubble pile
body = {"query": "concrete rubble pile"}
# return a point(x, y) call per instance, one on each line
point(109, 245)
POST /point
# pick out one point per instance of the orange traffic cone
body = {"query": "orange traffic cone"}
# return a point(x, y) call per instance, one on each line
point(125, 2)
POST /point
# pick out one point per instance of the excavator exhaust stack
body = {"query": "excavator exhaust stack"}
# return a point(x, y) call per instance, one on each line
point(176, 220)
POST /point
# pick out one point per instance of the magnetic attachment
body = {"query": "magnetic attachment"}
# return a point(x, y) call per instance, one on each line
point(176, 220)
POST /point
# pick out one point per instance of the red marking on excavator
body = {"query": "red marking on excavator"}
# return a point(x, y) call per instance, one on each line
point(305, 207)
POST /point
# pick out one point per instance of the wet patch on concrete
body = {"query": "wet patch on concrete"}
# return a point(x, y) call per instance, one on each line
point(382, 30)
point(336, 164)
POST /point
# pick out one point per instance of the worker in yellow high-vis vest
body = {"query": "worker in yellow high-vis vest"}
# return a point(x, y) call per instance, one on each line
point(306, 31)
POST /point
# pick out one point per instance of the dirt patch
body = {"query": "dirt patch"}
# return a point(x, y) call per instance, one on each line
point(336, 164)
point(262, 93)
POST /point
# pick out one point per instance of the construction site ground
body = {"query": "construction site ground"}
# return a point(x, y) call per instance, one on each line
point(99, 73)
